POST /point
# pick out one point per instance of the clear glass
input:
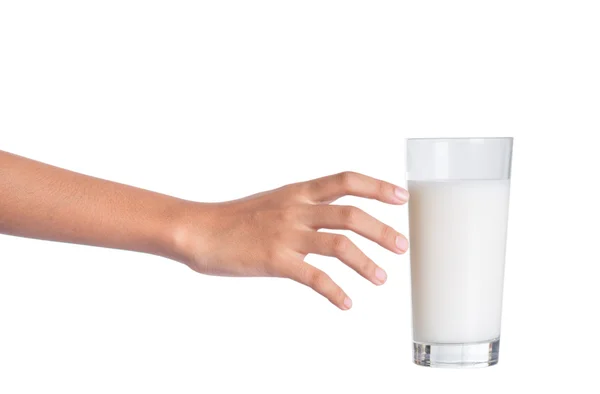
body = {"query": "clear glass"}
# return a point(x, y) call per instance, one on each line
point(458, 216)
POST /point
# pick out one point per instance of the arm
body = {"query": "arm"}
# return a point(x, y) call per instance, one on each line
point(268, 234)
point(45, 202)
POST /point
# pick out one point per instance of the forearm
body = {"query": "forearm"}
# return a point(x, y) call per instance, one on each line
point(45, 202)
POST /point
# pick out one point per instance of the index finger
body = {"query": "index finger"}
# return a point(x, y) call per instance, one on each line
point(330, 188)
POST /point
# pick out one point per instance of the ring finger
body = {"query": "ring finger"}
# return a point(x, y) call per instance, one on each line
point(340, 246)
point(354, 219)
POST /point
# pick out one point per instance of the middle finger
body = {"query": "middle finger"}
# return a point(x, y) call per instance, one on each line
point(354, 219)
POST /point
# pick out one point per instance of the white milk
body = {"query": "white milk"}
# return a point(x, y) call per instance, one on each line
point(458, 238)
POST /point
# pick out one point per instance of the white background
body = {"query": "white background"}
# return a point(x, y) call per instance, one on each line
point(215, 100)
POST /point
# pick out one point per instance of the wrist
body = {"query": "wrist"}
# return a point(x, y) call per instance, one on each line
point(186, 229)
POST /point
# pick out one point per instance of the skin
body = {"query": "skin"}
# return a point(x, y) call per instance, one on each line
point(267, 234)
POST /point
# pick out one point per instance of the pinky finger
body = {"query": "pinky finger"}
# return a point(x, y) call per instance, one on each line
point(320, 282)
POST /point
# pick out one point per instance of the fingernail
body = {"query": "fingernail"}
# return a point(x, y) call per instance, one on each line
point(401, 243)
point(347, 303)
point(401, 194)
point(380, 275)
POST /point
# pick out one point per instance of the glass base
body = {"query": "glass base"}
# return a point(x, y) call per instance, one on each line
point(456, 355)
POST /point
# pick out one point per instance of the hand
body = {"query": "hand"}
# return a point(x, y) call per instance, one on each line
point(270, 234)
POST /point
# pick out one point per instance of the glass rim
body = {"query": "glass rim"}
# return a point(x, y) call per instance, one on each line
point(458, 138)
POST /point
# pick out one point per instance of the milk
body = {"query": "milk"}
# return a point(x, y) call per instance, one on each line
point(458, 238)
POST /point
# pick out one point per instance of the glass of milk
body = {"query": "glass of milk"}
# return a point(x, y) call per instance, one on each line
point(458, 214)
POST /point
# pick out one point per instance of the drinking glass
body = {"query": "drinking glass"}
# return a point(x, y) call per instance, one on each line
point(458, 216)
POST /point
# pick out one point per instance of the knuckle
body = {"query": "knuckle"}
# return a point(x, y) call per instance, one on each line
point(387, 232)
point(272, 254)
point(340, 244)
point(282, 216)
point(297, 191)
point(366, 266)
point(315, 278)
point(288, 214)
point(317, 185)
point(275, 253)
point(303, 189)
point(382, 188)
point(350, 215)
point(346, 179)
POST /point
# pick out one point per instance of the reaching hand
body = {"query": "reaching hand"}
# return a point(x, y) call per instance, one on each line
point(270, 234)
